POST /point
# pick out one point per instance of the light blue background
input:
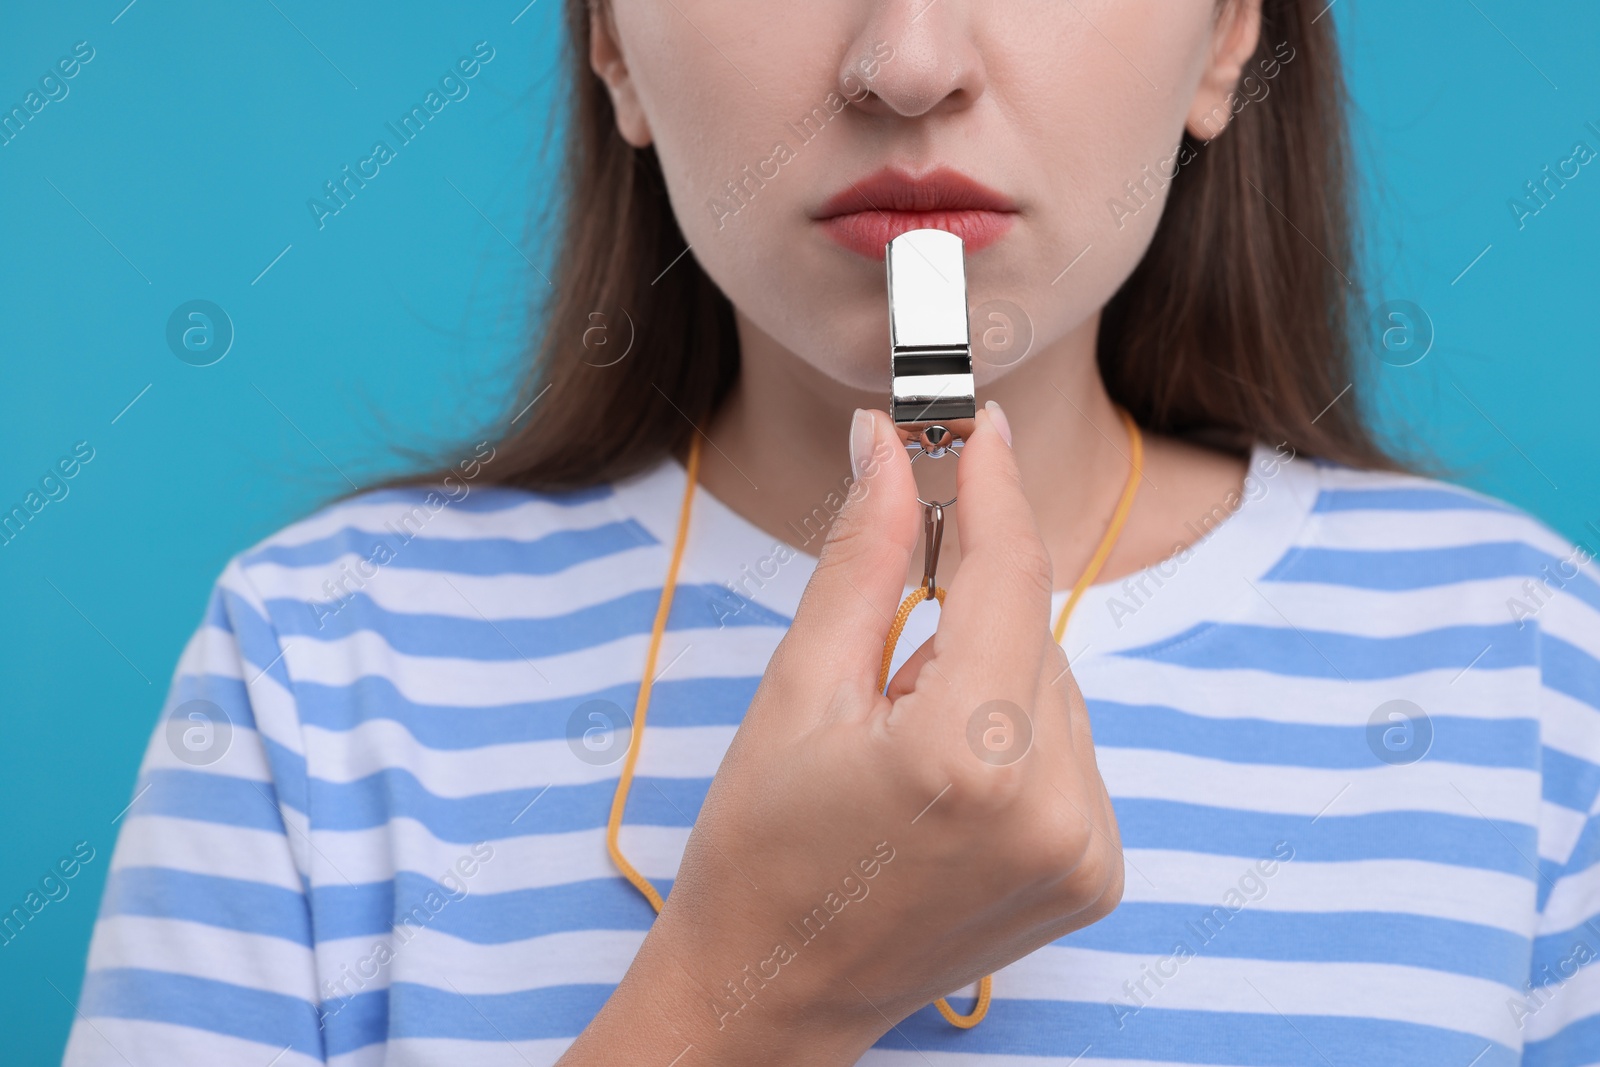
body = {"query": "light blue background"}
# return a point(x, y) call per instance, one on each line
point(188, 148)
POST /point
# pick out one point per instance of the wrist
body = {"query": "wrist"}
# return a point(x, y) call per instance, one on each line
point(696, 1000)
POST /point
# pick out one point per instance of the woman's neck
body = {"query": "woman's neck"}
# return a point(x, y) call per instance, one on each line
point(779, 457)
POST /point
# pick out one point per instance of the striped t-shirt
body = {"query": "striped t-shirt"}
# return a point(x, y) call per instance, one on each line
point(1352, 736)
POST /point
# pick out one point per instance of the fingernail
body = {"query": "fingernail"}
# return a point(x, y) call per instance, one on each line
point(1000, 423)
point(861, 435)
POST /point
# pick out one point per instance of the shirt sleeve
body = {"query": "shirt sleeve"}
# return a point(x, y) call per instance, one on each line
point(1560, 1011)
point(202, 952)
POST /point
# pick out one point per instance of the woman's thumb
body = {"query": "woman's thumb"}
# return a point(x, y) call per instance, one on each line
point(847, 607)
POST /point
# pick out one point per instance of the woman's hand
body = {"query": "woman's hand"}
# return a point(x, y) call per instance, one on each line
point(859, 855)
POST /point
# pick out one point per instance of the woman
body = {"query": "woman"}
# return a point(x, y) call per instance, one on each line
point(1348, 720)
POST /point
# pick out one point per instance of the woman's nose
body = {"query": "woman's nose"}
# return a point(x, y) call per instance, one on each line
point(918, 57)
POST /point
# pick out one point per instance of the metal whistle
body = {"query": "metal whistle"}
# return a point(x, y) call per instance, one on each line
point(933, 399)
point(930, 351)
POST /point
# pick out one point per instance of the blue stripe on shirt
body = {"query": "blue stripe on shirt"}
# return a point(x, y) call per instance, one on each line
point(203, 1004)
point(1312, 653)
point(551, 554)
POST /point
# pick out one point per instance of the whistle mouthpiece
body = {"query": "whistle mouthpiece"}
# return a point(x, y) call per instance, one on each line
point(933, 399)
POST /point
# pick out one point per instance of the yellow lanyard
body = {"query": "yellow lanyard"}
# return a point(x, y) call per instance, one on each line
point(619, 801)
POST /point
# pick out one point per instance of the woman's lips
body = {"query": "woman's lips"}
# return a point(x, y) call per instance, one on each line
point(868, 214)
point(868, 232)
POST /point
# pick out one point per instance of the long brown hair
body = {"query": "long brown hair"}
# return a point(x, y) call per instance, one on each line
point(1234, 328)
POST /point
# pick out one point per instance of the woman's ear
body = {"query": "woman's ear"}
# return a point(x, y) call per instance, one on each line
point(1233, 42)
point(605, 57)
